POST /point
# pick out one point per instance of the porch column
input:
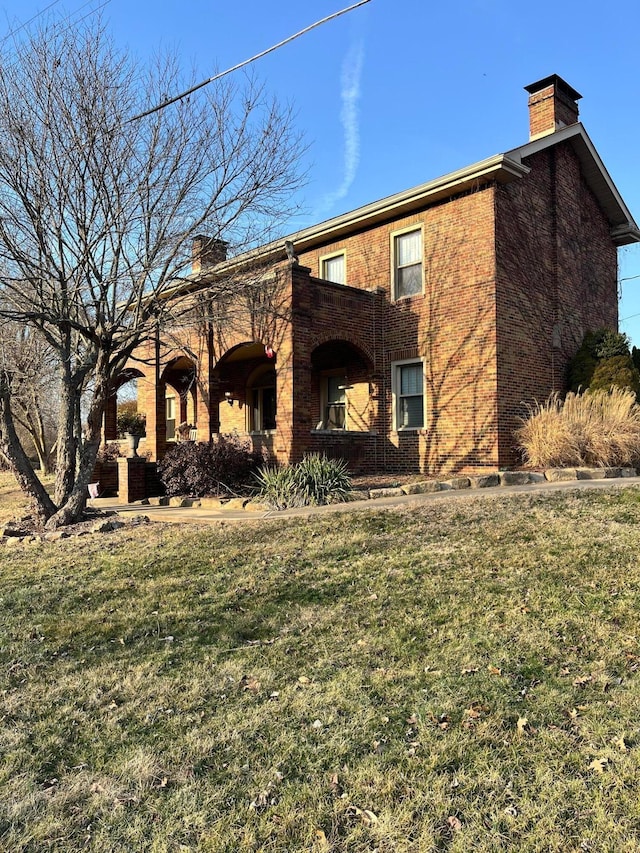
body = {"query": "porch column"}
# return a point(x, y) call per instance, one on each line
point(110, 418)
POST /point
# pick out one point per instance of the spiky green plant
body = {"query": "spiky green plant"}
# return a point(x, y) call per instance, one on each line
point(314, 481)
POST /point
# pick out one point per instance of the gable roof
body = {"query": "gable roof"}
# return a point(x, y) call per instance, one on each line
point(503, 168)
point(624, 229)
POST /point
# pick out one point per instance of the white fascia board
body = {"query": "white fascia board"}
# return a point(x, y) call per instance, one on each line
point(501, 167)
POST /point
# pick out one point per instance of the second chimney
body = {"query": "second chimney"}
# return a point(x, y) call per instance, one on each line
point(207, 252)
point(553, 104)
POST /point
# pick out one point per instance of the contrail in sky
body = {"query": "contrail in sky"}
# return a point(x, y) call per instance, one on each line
point(349, 94)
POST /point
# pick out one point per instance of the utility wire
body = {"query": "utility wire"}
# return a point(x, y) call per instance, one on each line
point(280, 44)
point(31, 19)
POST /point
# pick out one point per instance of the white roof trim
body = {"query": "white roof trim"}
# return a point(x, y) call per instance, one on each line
point(502, 168)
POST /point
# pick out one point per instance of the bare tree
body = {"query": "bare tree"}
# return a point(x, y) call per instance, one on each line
point(29, 360)
point(98, 213)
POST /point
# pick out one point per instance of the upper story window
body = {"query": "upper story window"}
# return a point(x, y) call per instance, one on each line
point(333, 268)
point(407, 263)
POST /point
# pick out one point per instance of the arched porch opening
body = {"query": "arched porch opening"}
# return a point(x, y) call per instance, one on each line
point(341, 387)
point(178, 392)
point(245, 383)
point(123, 412)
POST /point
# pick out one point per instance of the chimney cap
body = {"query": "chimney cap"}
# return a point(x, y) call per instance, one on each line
point(557, 81)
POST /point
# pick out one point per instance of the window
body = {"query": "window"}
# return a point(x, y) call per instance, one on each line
point(262, 411)
point(335, 409)
point(170, 417)
point(407, 263)
point(408, 392)
point(333, 268)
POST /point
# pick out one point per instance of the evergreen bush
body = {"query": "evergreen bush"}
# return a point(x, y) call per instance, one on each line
point(617, 371)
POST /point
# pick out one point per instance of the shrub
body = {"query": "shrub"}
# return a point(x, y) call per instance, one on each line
point(130, 421)
point(596, 429)
point(597, 348)
point(617, 371)
point(611, 344)
point(227, 466)
point(109, 452)
point(316, 480)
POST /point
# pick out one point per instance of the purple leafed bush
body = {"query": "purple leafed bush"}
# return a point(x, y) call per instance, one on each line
point(227, 466)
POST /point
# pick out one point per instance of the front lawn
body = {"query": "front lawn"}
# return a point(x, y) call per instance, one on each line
point(459, 677)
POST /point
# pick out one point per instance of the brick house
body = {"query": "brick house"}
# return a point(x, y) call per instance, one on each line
point(405, 335)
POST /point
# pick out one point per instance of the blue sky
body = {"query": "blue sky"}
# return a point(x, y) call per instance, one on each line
point(400, 91)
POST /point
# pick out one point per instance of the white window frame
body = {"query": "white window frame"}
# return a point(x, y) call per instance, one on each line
point(324, 400)
point(395, 393)
point(323, 260)
point(170, 401)
point(394, 263)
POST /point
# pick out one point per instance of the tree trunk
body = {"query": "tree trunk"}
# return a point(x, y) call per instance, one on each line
point(73, 507)
point(66, 456)
point(43, 506)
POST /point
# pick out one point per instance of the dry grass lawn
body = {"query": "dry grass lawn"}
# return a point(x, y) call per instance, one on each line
point(459, 677)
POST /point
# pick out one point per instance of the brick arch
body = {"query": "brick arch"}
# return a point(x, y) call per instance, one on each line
point(245, 350)
point(110, 420)
point(181, 374)
point(362, 350)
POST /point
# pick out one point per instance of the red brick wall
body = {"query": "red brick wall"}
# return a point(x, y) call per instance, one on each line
point(557, 274)
point(513, 276)
point(451, 325)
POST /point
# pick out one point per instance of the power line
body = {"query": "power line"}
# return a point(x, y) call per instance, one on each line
point(31, 20)
point(195, 88)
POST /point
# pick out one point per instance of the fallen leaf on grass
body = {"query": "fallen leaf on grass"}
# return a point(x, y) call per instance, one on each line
point(522, 725)
point(469, 670)
point(321, 840)
point(454, 824)
point(443, 721)
point(581, 680)
point(495, 670)
point(366, 816)
point(598, 765)
point(620, 744)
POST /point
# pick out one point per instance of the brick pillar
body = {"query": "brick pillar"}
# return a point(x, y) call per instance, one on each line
point(110, 418)
point(131, 479)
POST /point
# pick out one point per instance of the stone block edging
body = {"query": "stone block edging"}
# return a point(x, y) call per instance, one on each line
point(482, 481)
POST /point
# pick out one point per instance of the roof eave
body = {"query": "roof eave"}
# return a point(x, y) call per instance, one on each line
point(624, 229)
point(501, 168)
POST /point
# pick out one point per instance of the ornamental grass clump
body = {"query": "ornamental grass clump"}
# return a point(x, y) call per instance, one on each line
point(599, 428)
point(314, 481)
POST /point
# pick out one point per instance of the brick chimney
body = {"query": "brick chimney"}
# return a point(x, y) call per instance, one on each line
point(206, 252)
point(553, 104)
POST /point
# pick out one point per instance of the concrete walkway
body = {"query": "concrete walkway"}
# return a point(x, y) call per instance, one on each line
point(200, 515)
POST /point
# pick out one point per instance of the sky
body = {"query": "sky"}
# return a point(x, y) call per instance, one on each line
point(398, 92)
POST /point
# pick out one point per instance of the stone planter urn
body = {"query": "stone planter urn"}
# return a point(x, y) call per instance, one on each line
point(134, 440)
